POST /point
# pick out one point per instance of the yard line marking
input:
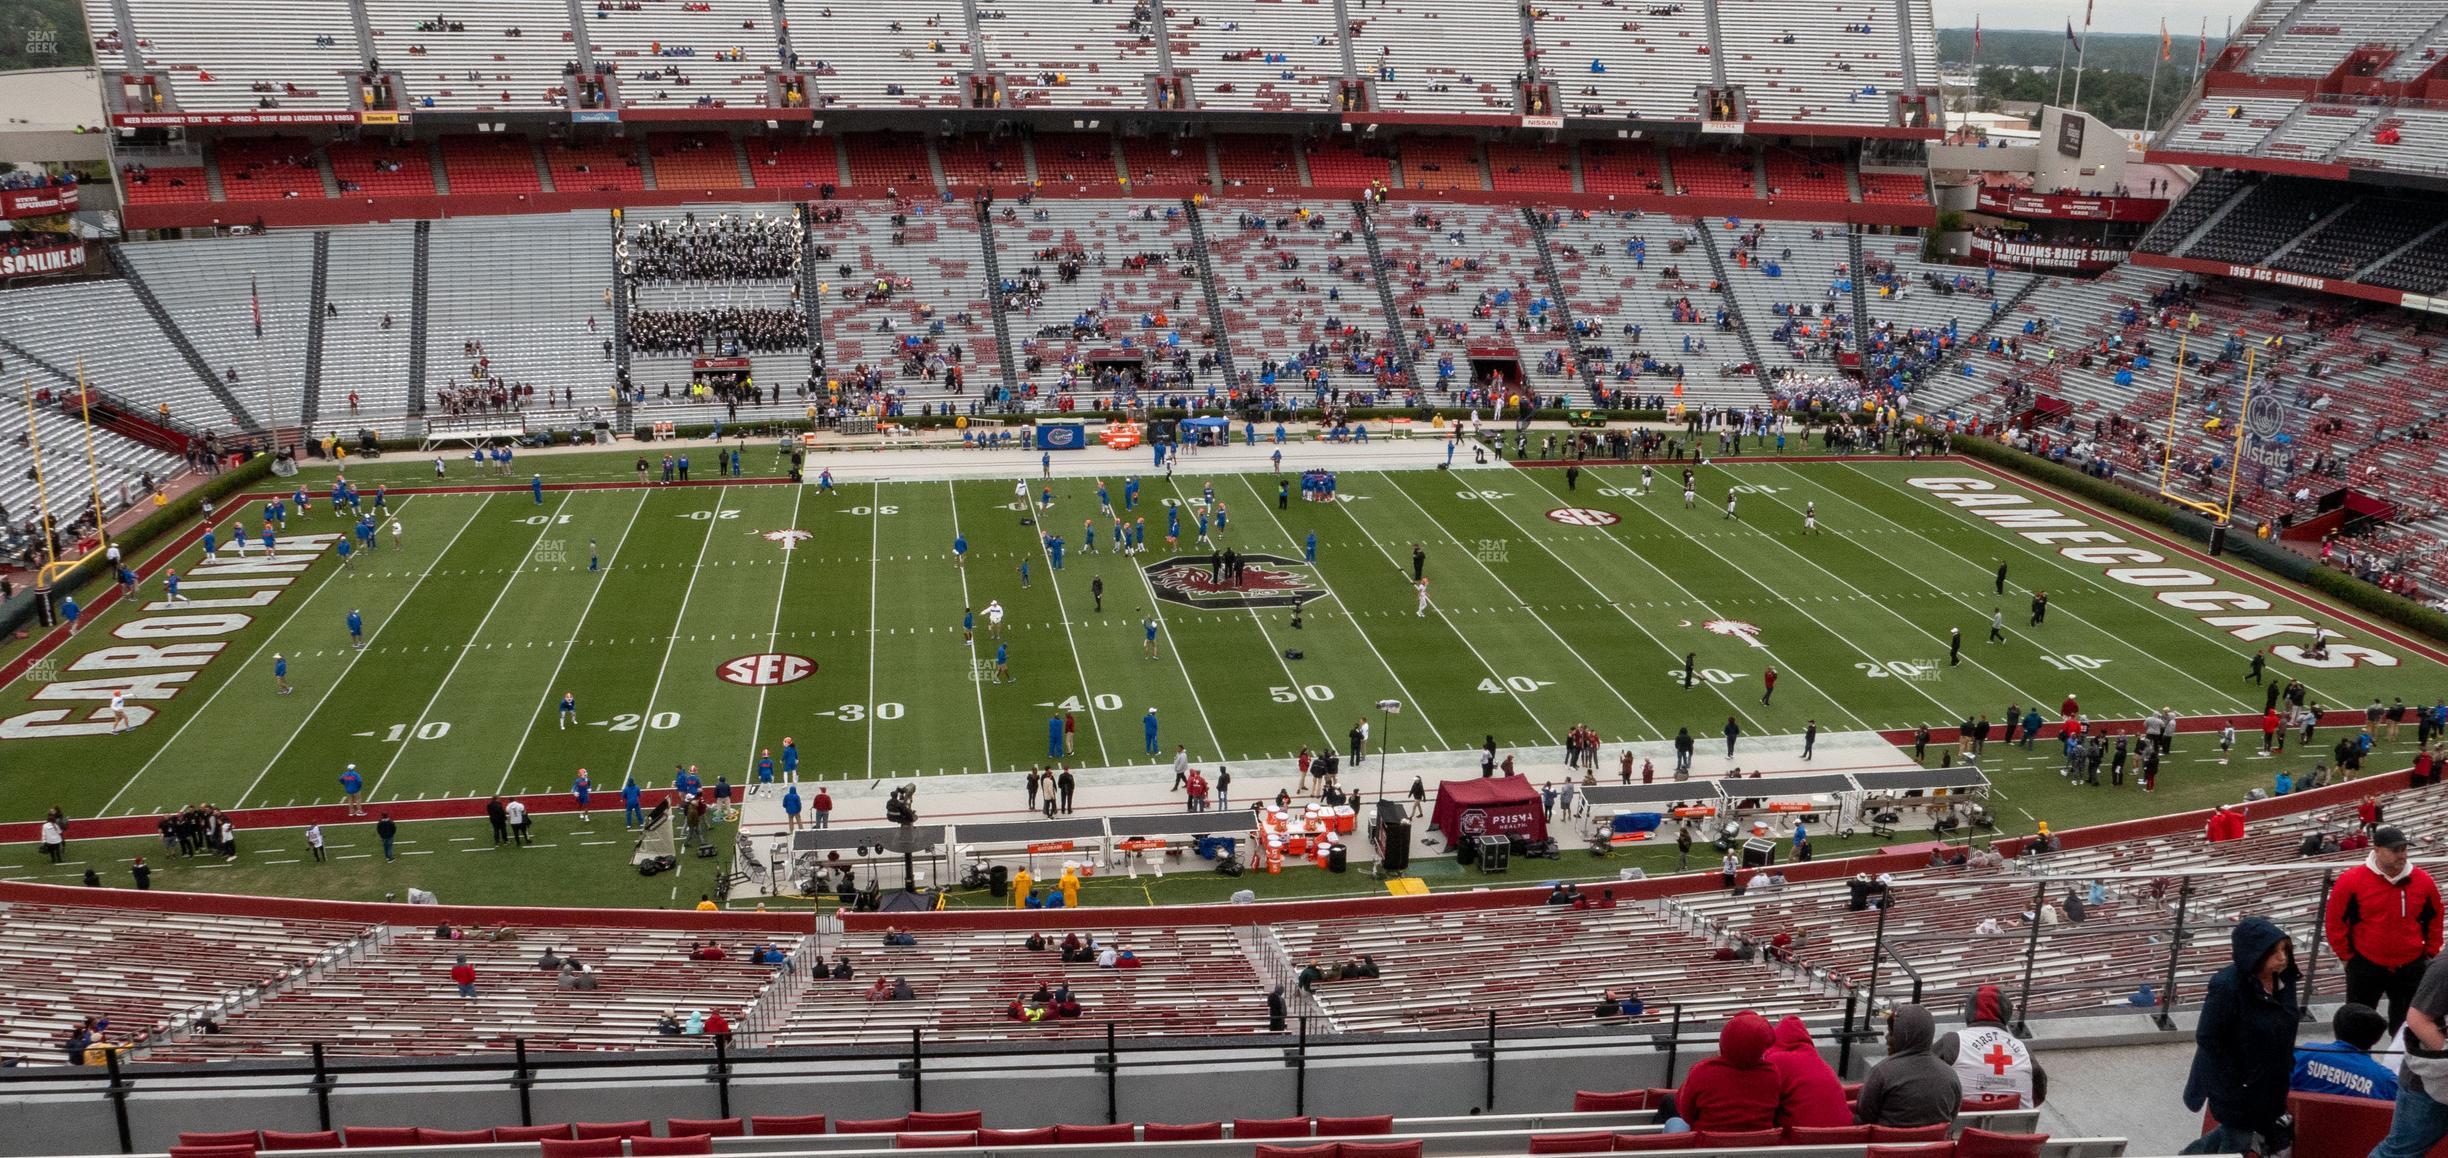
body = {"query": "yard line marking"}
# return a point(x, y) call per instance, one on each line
point(664, 668)
point(374, 790)
point(1273, 652)
point(1062, 609)
point(215, 697)
point(1568, 649)
point(1447, 619)
point(1418, 708)
point(351, 663)
point(875, 537)
point(985, 740)
point(1172, 644)
point(2141, 703)
point(555, 679)
point(1704, 605)
point(773, 634)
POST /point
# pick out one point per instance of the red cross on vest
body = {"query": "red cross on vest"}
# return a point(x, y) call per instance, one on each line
point(1998, 1059)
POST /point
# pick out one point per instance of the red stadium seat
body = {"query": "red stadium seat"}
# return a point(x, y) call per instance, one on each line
point(1041, 1136)
point(1407, 1149)
point(1355, 1127)
point(767, 1125)
point(1323, 1151)
point(1991, 1102)
point(645, 1147)
point(1078, 1135)
point(1182, 1132)
point(1681, 1141)
point(427, 1136)
point(949, 1141)
point(709, 1127)
point(1270, 1127)
point(244, 1138)
point(229, 1151)
point(1827, 1135)
point(868, 1125)
point(945, 1120)
point(363, 1136)
point(581, 1148)
point(559, 1131)
point(304, 1140)
point(1937, 1133)
point(1923, 1150)
point(1978, 1143)
point(1590, 1142)
point(1592, 1101)
point(637, 1129)
point(1739, 1139)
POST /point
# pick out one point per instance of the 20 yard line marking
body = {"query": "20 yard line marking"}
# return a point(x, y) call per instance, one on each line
point(555, 679)
point(374, 790)
point(679, 617)
point(215, 697)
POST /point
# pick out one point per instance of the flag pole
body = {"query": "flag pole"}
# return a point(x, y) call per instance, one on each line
point(2079, 54)
point(2201, 48)
point(2151, 102)
point(2061, 51)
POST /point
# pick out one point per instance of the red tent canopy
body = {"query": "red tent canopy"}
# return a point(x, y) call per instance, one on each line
point(1489, 806)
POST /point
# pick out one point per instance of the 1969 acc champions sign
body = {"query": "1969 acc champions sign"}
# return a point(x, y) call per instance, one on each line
point(1584, 517)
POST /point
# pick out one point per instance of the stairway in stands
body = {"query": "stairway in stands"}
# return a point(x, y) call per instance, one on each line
point(1208, 290)
point(418, 298)
point(1553, 281)
point(620, 307)
point(1950, 386)
point(187, 352)
point(994, 299)
point(1398, 339)
point(811, 281)
point(1861, 294)
point(309, 406)
point(1742, 328)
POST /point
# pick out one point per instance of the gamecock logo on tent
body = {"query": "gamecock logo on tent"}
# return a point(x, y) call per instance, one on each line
point(1265, 581)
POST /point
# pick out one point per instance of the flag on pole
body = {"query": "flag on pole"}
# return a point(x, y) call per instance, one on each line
point(2069, 32)
point(1976, 34)
point(2163, 38)
point(255, 304)
point(2087, 6)
point(2202, 53)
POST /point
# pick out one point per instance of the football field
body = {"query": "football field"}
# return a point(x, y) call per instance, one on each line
point(704, 624)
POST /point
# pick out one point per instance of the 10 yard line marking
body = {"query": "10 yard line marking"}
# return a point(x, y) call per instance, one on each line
point(773, 635)
point(499, 594)
point(567, 645)
point(215, 697)
point(985, 741)
point(678, 617)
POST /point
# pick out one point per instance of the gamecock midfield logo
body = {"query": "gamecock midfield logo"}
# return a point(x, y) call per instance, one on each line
point(1266, 581)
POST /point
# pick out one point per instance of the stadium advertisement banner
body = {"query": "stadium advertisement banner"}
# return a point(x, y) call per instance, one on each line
point(2011, 203)
point(56, 259)
point(239, 120)
point(2214, 596)
point(1061, 436)
point(44, 202)
point(2082, 257)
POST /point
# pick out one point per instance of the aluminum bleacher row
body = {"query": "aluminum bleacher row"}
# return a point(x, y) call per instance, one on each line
point(2269, 95)
point(1799, 61)
point(2323, 228)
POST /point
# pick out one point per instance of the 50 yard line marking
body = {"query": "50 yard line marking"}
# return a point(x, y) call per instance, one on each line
point(569, 644)
point(672, 639)
point(1258, 621)
point(502, 592)
point(985, 738)
point(773, 635)
point(215, 697)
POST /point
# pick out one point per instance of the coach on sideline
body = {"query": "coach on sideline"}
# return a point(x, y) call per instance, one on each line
point(2384, 923)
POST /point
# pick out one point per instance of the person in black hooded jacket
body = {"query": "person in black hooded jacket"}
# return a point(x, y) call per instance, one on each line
point(2244, 1046)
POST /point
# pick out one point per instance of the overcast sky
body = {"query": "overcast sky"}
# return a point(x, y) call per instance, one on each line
point(2182, 16)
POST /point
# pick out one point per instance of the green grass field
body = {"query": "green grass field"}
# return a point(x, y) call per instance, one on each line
point(489, 611)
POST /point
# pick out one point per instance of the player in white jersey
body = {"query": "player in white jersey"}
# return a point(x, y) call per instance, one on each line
point(1729, 504)
point(1810, 518)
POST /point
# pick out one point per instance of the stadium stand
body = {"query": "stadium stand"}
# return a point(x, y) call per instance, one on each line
point(1295, 285)
point(812, 163)
point(243, 303)
point(101, 330)
point(493, 64)
point(685, 53)
point(1527, 169)
point(1457, 57)
point(596, 167)
point(490, 165)
point(2315, 36)
point(1604, 65)
point(1646, 317)
point(378, 170)
point(1795, 284)
point(1048, 56)
point(1466, 278)
point(914, 297)
point(1114, 283)
point(366, 333)
point(1257, 55)
point(1264, 166)
point(286, 55)
point(912, 57)
point(1800, 60)
point(880, 163)
point(693, 161)
point(1075, 164)
point(516, 297)
point(1150, 162)
point(121, 473)
point(268, 169)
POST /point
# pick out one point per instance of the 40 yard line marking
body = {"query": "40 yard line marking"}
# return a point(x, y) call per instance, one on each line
point(985, 738)
point(215, 697)
point(773, 635)
point(570, 644)
point(374, 790)
point(720, 494)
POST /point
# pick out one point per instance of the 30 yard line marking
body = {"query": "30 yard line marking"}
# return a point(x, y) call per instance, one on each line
point(1419, 709)
point(239, 674)
point(374, 790)
point(773, 635)
point(2140, 703)
point(673, 641)
point(569, 644)
point(985, 738)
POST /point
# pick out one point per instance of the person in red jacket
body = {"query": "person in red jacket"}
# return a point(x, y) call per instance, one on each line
point(2384, 923)
point(1808, 1093)
point(1737, 1089)
point(463, 975)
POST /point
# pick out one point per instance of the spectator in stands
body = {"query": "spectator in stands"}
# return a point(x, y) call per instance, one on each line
point(1278, 1015)
point(897, 937)
point(1310, 975)
point(709, 951)
point(1361, 968)
point(841, 968)
point(1808, 1092)
point(717, 1026)
point(1987, 1056)
point(550, 961)
point(667, 1024)
point(2344, 1067)
point(2244, 1045)
point(2384, 922)
point(1734, 1090)
point(1910, 1086)
point(463, 975)
point(576, 974)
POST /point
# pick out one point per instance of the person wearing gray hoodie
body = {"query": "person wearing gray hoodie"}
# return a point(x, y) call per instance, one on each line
point(1910, 1086)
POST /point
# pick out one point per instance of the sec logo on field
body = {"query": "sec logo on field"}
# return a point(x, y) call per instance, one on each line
point(763, 671)
point(1584, 517)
